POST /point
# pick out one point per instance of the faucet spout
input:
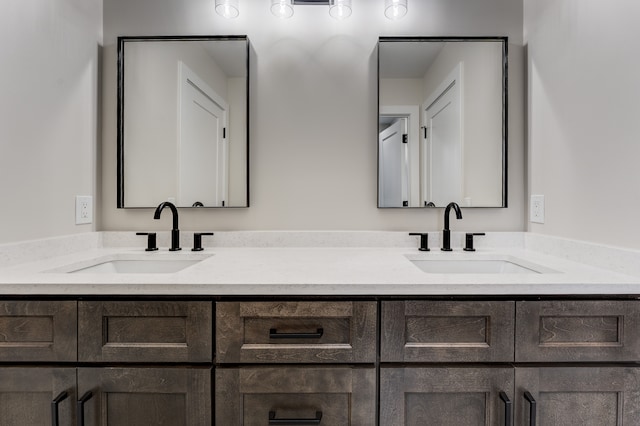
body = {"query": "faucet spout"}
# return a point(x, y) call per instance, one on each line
point(446, 232)
point(175, 232)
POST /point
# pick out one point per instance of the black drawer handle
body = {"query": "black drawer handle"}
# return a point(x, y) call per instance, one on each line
point(507, 408)
point(54, 407)
point(532, 408)
point(314, 421)
point(80, 407)
point(273, 334)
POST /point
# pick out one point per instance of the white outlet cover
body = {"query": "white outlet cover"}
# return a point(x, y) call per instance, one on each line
point(84, 209)
point(536, 209)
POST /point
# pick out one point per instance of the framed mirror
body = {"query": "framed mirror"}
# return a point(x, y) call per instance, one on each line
point(442, 121)
point(183, 114)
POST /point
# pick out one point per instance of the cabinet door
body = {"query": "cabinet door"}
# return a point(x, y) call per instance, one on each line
point(145, 331)
point(578, 396)
point(446, 396)
point(441, 331)
point(146, 396)
point(262, 396)
point(577, 331)
point(296, 332)
point(38, 331)
point(26, 395)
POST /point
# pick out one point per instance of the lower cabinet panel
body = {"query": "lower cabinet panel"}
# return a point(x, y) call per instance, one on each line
point(26, 395)
point(146, 396)
point(262, 396)
point(442, 396)
point(578, 396)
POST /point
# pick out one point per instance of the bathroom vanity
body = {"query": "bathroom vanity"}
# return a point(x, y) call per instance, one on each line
point(318, 335)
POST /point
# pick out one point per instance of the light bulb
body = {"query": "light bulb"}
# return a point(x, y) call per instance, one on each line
point(227, 8)
point(340, 9)
point(395, 9)
point(282, 8)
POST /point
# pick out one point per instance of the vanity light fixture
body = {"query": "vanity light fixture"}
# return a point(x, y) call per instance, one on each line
point(282, 8)
point(395, 9)
point(338, 9)
point(227, 8)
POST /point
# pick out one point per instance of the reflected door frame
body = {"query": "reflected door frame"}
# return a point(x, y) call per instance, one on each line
point(412, 114)
point(448, 94)
point(192, 89)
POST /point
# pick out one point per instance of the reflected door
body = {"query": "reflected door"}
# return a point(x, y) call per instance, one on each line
point(202, 150)
point(394, 174)
point(443, 118)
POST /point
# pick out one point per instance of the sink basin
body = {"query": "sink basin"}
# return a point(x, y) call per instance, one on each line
point(134, 264)
point(494, 265)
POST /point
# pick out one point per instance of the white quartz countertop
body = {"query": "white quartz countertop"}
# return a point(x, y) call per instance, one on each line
point(312, 271)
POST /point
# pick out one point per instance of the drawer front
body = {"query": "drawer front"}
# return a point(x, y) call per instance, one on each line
point(145, 331)
point(295, 332)
point(575, 331)
point(441, 331)
point(262, 396)
point(445, 396)
point(38, 331)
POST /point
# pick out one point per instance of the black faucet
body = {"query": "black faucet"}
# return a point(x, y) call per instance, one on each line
point(175, 232)
point(446, 233)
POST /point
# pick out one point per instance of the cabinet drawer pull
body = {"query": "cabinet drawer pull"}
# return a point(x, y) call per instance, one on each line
point(314, 421)
point(507, 408)
point(80, 407)
point(273, 334)
point(54, 407)
point(532, 408)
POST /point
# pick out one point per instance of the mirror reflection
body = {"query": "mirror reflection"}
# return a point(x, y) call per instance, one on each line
point(183, 121)
point(442, 122)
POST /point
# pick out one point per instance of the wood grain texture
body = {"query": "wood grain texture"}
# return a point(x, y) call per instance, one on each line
point(349, 332)
point(444, 396)
point(38, 331)
point(145, 331)
point(345, 395)
point(26, 394)
point(146, 396)
point(579, 396)
point(577, 331)
point(440, 331)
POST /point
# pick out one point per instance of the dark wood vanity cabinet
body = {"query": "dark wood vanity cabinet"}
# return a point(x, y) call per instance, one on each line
point(328, 362)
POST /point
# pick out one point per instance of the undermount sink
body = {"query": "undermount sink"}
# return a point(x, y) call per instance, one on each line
point(480, 265)
point(134, 264)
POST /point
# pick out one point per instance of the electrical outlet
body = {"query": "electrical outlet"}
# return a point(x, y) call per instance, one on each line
point(84, 209)
point(536, 213)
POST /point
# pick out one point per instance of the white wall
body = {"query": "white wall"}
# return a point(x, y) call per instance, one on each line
point(313, 115)
point(48, 114)
point(584, 105)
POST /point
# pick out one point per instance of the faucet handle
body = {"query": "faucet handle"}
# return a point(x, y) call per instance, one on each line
point(469, 240)
point(197, 240)
point(424, 240)
point(151, 240)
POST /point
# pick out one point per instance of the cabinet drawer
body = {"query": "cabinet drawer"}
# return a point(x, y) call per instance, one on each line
point(441, 331)
point(575, 331)
point(446, 396)
point(38, 331)
point(260, 396)
point(295, 332)
point(145, 331)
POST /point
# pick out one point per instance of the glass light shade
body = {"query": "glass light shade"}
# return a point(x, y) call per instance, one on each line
point(282, 8)
point(340, 9)
point(395, 9)
point(227, 8)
